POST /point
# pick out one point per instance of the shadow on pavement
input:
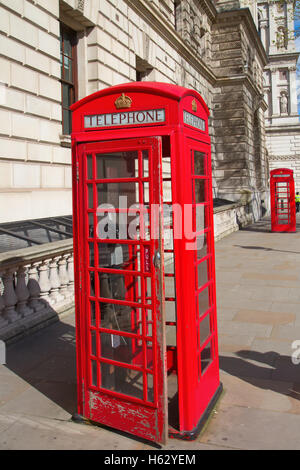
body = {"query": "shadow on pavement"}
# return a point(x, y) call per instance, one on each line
point(47, 361)
point(279, 374)
point(254, 247)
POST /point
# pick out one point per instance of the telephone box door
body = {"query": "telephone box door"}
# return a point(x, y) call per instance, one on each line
point(121, 318)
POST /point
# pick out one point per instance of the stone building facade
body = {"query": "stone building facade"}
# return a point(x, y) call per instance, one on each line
point(55, 52)
point(276, 27)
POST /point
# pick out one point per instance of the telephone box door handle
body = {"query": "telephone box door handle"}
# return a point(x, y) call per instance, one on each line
point(156, 259)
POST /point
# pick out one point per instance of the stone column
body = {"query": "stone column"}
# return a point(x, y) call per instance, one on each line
point(9, 296)
point(45, 285)
point(55, 295)
point(34, 288)
point(293, 90)
point(275, 94)
point(70, 269)
point(3, 321)
point(22, 293)
point(63, 276)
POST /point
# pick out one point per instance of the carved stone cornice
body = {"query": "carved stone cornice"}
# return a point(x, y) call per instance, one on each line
point(150, 14)
point(280, 158)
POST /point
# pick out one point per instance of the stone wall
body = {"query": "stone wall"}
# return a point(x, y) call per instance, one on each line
point(115, 39)
point(240, 158)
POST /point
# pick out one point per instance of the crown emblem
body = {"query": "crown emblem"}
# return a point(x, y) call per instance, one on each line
point(123, 102)
point(194, 105)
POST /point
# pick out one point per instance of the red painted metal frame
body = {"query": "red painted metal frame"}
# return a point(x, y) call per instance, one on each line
point(283, 205)
point(196, 390)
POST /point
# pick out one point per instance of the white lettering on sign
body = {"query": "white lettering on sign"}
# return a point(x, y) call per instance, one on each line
point(193, 120)
point(150, 116)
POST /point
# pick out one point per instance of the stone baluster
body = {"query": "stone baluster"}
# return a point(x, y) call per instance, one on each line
point(55, 295)
point(34, 288)
point(3, 321)
point(70, 269)
point(9, 296)
point(63, 276)
point(22, 293)
point(45, 285)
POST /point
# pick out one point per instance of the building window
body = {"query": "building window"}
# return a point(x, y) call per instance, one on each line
point(68, 62)
point(283, 75)
point(143, 70)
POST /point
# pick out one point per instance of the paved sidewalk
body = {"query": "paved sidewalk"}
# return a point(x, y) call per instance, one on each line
point(258, 278)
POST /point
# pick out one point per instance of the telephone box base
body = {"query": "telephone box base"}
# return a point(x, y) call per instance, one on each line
point(192, 435)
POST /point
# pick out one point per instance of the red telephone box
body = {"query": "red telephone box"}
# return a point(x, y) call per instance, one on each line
point(147, 352)
point(283, 205)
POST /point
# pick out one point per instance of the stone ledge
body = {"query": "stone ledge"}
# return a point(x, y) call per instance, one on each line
point(36, 253)
point(227, 207)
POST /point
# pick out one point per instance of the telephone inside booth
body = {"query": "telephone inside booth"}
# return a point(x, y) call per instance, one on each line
point(147, 353)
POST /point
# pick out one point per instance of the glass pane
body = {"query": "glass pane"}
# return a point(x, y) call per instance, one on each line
point(90, 196)
point(169, 263)
point(117, 165)
point(201, 222)
point(93, 343)
point(203, 301)
point(92, 255)
point(171, 311)
point(121, 349)
point(145, 163)
point(120, 317)
point(202, 269)
point(199, 163)
point(171, 335)
point(200, 190)
point(92, 284)
point(67, 69)
point(205, 357)
point(204, 329)
point(92, 313)
point(202, 245)
point(149, 355)
point(166, 167)
point(121, 226)
point(123, 256)
point(122, 380)
point(89, 159)
point(150, 388)
point(149, 323)
point(91, 225)
point(167, 191)
point(170, 287)
point(67, 44)
point(94, 373)
point(67, 127)
point(119, 286)
point(110, 193)
point(146, 194)
point(66, 97)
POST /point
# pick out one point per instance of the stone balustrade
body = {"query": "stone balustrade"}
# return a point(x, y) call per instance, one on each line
point(36, 286)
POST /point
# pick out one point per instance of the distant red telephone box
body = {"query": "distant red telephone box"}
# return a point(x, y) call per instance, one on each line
point(283, 205)
point(147, 352)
